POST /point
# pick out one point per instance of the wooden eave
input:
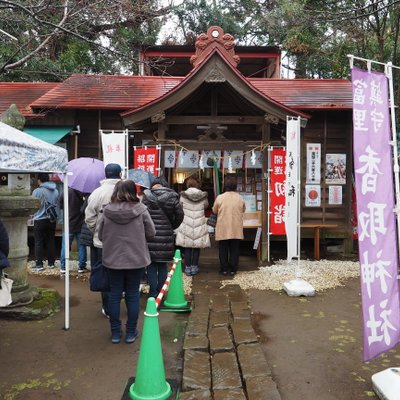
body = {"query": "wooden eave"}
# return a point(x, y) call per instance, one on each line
point(214, 69)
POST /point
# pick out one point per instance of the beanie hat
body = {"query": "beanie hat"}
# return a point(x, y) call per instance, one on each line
point(113, 171)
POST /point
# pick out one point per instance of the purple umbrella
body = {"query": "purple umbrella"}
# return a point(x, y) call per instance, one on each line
point(85, 174)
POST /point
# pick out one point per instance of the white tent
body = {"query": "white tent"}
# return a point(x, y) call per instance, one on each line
point(22, 153)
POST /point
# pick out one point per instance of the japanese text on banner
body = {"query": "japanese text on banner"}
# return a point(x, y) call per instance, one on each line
point(146, 159)
point(114, 148)
point(376, 219)
point(291, 187)
point(277, 195)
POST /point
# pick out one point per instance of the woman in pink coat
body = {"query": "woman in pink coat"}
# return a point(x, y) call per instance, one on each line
point(229, 207)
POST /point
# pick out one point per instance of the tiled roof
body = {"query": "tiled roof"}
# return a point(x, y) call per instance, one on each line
point(22, 94)
point(306, 94)
point(113, 92)
point(106, 92)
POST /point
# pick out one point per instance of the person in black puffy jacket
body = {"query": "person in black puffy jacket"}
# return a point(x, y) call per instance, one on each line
point(4, 247)
point(167, 214)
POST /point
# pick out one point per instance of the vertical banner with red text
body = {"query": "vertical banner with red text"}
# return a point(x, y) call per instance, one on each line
point(376, 220)
point(114, 148)
point(277, 195)
point(146, 158)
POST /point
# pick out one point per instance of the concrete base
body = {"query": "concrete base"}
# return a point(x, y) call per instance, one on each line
point(298, 287)
point(386, 384)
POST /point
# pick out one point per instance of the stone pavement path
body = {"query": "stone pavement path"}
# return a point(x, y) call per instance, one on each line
point(222, 357)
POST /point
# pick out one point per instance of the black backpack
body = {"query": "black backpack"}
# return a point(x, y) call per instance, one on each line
point(51, 211)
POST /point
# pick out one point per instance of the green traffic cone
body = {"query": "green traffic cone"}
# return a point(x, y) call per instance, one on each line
point(176, 295)
point(150, 383)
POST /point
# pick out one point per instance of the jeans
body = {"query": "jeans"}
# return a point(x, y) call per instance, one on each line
point(128, 281)
point(229, 254)
point(44, 233)
point(192, 256)
point(82, 256)
point(156, 276)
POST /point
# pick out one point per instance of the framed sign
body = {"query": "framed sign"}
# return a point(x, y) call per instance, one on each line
point(335, 171)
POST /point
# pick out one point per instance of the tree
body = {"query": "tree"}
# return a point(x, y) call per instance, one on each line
point(316, 35)
point(50, 39)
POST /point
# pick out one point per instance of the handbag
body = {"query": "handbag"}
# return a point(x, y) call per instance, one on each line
point(5, 290)
point(99, 278)
point(212, 220)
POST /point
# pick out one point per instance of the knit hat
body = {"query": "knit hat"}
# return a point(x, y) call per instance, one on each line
point(113, 171)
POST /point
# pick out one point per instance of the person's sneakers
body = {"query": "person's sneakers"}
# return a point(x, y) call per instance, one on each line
point(116, 337)
point(232, 273)
point(103, 311)
point(131, 337)
point(225, 273)
point(195, 270)
point(188, 270)
point(81, 270)
point(38, 268)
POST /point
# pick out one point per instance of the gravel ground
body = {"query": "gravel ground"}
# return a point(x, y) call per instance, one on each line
point(322, 275)
point(73, 265)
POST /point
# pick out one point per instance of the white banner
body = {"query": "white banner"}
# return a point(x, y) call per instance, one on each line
point(187, 159)
point(169, 158)
point(313, 163)
point(233, 159)
point(254, 159)
point(114, 150)
point(292, 187)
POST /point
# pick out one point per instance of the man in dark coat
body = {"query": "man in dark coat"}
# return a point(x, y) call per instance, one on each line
point(167, 214)
point(76, 217)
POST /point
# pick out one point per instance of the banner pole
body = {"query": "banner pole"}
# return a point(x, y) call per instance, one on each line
point(298, 272)
point(126, 153)
point(389, 74)
point(66, 247)
point(270, 148)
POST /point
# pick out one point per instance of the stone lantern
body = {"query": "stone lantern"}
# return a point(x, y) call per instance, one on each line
point(16, 206)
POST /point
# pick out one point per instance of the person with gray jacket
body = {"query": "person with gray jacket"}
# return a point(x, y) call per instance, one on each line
point(124, 230)
point(192, 234)
point(98, 199)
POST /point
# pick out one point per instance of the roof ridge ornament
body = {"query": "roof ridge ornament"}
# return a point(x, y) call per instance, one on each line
point(215, 38)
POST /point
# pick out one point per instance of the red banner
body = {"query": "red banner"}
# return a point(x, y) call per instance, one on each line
point(277, 195)
point(146, 159)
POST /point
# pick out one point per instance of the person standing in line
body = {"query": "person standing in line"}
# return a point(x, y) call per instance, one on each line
point(44, 229)
point(76, 218)
point(4, 247)
point(99, 198)
point(229, 208)
point(192, 234)
point(124, 230)
point(167, 214)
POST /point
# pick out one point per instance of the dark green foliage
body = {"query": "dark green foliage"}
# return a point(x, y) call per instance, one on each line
point(47, 41)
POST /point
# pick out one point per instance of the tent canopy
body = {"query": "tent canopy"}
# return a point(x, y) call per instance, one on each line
point(20, 152)
point(49, 134)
